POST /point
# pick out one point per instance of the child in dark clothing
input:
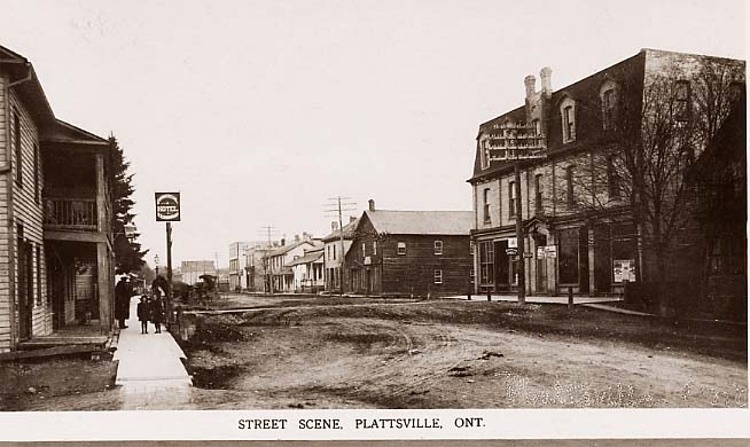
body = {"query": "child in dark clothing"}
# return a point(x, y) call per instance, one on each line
point(144, 313)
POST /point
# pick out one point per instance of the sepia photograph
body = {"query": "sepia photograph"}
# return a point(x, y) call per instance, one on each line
point(384, 218)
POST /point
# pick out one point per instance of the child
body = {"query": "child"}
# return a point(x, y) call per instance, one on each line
point(157, 313)
point(144, 313)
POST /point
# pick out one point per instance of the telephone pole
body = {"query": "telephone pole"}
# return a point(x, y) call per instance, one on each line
point(338, 205)
point(268, 231)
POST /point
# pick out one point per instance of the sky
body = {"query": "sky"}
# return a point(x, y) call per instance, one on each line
point(260, 112)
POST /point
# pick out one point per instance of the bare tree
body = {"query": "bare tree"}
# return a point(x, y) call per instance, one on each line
point(661, 125)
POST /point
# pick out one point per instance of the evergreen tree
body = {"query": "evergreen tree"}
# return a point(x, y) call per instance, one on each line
point(128, 253)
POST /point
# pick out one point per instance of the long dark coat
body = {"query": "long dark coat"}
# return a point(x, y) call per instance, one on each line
point(144, 310)
point(123, 291)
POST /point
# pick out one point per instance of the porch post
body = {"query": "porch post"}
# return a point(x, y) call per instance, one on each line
point(102, 278)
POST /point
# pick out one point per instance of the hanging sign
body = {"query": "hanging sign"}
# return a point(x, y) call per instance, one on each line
point(167, 206)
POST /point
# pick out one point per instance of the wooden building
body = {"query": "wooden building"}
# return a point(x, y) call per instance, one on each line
point(410, 253)
point(56, 257)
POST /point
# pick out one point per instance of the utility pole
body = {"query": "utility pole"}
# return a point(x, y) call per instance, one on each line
point(169, 272)
point(338, 208)
point(267, 231)
point(515, 143)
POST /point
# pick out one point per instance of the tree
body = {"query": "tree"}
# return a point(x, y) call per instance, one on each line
point(663, 122)
point(128, 253)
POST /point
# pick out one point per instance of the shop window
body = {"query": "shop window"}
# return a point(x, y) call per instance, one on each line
point(486, 262)
point(568, 257)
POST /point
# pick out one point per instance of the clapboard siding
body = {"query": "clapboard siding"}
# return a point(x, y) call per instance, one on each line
point(5, 297)
point(27, 209)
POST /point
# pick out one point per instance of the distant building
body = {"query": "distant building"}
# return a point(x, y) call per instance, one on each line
point(237, 277)
point(192, 270)
point(255, 266)
point(278, 260)
point(334, 250)
point(308, 271)
point(410, 253)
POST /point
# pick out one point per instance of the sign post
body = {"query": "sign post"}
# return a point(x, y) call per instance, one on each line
point(168, 210)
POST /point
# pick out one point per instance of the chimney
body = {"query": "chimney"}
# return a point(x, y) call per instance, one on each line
point(371, 204)
point(334, 225)
point(296, 238)
point(530, 82)
point(546, 75)
point(283, 241)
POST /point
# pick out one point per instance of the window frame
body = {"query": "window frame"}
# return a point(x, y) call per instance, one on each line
point(438, 247)
point(511, 199)
point(487, 219)
point(437, 276)
point(538, 198)
point(401, 248)
point(568, 119)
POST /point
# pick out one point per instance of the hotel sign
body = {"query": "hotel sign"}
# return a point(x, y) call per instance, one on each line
point(167, 206)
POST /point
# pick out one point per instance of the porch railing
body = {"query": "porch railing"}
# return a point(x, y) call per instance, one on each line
point(75, 214)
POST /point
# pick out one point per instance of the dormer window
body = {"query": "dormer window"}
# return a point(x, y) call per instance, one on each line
point(484, 149)
point(568, 115)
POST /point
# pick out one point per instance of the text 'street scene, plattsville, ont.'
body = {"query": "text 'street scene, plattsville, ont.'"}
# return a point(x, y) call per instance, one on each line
point(373, 220)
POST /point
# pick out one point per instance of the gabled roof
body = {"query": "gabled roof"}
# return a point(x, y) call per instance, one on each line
point(287, 248)
point(63, 132)
point(310, 256)
point(446, 223)
point(27, 85)
point(348, 232)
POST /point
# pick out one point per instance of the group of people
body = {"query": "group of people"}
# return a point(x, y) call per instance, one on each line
point(151, 310)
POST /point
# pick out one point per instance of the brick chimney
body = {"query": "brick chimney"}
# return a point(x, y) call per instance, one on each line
point(530, 83)
point(371, 204)
point(546, 75)
point(334, 225)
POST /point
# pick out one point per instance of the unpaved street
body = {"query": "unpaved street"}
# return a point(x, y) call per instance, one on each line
point(421, 356)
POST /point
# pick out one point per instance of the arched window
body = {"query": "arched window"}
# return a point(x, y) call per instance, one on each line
point(609, 99)
point(568, 117)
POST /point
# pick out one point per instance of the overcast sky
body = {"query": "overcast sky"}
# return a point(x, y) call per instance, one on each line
point(258, 112)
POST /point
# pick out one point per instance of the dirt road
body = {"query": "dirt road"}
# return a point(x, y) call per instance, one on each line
point(383, 357)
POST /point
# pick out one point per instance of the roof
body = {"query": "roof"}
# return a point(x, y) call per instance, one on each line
point(310, 256)
point(63, 132)
point(348, 232)
point(447, 223)
point(286, 248)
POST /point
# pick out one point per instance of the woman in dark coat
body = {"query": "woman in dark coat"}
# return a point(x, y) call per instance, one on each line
point(157, 313)
point(144, 313)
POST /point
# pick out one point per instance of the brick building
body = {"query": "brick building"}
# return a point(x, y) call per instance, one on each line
point(577, 216)
point(410, 253)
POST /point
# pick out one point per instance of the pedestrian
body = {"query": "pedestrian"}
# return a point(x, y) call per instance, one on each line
point(157, 313)
point(144, 313)
point(123, 292)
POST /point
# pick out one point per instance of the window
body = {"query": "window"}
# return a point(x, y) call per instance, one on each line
point(486, 262)
point(374, 247)
point(485, 153)
point(438, 247)
point(364, 249)
point(438, 274)
point(38, 275)
point(401, 248)
point(538, 188)
point(471, 274)
point(536, 127)
point(568, 112)
point(486, 194)
point(36, 173)
point(682, 100)
point(334, 252)
point(608, 109)
point(471, 248)
point(570, 178)
point(17, 147)
point(511, 200)
point(613, 179)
